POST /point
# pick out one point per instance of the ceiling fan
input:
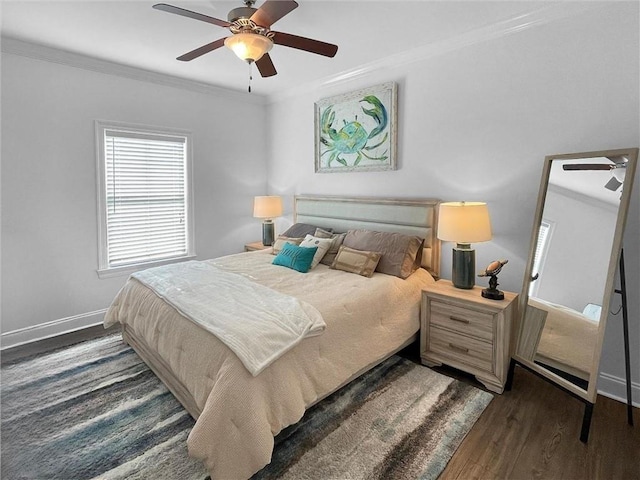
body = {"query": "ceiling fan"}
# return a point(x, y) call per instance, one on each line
point(617, 168)
point(252, 37)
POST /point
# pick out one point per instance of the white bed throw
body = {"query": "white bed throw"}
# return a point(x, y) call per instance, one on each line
point(257, 323)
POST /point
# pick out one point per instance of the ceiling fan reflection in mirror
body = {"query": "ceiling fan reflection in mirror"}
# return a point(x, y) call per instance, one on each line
point(252, 37)
point(617, 167)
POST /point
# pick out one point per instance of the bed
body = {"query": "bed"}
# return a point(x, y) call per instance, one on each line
point(367, 320)
point(567, 338)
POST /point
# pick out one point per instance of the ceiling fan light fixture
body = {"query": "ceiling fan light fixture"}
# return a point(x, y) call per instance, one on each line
point(249, 46)
point(618, 173)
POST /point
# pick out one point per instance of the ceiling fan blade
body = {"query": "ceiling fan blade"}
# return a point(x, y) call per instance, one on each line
point(587, 166)
point(209, 47)
point(306, 44)
point(189, 14)
point(271, 11)
point(613, 184)
point(265, 66)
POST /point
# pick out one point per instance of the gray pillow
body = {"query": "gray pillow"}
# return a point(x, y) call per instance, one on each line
point(401, 254)
point(301, 230)
point(337, 239)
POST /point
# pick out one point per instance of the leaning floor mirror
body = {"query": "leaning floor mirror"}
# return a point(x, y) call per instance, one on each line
point(571, 271)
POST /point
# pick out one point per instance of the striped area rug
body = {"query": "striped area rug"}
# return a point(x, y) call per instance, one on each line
point(94, 410)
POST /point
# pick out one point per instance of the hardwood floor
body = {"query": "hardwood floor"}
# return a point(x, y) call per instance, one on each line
point(49, 344)
point(531, 432)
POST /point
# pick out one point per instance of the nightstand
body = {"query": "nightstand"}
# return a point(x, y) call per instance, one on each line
point(462, 329)
point(251, 247)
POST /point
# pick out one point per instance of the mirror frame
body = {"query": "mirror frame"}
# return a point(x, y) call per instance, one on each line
point(591, 393)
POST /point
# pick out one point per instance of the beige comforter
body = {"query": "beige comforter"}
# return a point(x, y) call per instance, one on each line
point(367, 318)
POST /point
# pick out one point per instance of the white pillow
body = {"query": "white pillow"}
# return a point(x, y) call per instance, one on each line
point(323, 245)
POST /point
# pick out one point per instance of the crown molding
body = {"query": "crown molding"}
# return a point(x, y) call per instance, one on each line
point(542, 16)
point(36, 51)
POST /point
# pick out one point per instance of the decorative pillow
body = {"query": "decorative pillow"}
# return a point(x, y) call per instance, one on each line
point(295, 257)
point(337, 239)
point(322, 233)
point(300, 230)
point(399, 252)
point(323, 245)
point(282, 240)
point(356, 261)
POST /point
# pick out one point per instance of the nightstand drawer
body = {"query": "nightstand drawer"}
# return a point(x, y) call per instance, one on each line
point(462, 319)
point(472, 351)
point(461, 328)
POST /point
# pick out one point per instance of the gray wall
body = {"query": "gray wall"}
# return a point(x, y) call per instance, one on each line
point(49, 229)
point(578, 255)
point(475, 124)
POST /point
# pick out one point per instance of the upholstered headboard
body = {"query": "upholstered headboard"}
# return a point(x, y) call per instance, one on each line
point(407, 216)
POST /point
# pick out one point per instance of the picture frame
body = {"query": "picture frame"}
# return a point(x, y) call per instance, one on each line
point(357, 131)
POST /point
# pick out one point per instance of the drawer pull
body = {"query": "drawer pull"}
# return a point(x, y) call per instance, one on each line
point(458, 319)
point(460, 349)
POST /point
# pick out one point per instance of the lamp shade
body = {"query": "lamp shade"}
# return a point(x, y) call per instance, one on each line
point(464, 222)
point(249, 46)
point(267, 206)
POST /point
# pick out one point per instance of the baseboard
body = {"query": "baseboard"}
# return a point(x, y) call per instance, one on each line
point(54, 328)
point(616, 388)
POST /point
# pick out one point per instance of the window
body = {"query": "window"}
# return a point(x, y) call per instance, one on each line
point(542, 247)
point(144, 197)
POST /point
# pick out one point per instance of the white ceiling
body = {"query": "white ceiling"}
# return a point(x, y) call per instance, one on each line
point(585, 182)
point(134, 34)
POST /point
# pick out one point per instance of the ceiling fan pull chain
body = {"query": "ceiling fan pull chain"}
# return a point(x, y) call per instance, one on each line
point(250, 76)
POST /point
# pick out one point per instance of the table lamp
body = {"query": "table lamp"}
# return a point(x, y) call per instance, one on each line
point(267, 208)
point(464, 223)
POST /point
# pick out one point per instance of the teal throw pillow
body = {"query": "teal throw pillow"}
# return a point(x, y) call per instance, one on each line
point(295, 257)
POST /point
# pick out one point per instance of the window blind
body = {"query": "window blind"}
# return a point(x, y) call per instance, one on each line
point(540, 247)
point(146, 197)
point(540, 253)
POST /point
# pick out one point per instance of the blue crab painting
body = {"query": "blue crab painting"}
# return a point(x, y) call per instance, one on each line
point(355, 131)
point(353, 139)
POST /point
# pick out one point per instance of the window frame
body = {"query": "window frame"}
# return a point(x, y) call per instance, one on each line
point(104, 269)
point(545, 234)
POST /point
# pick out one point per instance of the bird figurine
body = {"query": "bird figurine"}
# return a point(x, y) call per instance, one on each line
point(492, 270)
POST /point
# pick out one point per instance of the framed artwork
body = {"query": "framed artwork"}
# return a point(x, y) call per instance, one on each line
point(357, 131)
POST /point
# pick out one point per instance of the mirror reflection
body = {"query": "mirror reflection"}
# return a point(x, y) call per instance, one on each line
point(570, 265)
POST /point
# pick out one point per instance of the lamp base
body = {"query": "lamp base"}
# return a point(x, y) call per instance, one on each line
point(463, 268)
point(267, 233)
